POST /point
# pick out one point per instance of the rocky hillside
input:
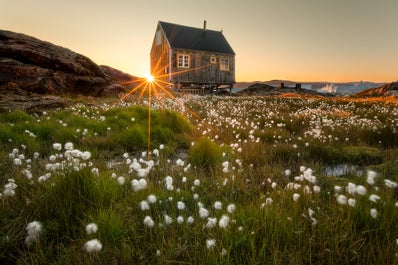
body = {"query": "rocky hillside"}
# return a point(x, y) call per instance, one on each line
point(381, 91)
point(262, 89)
point(41, 67)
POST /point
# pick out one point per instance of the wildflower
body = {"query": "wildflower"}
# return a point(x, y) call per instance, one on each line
point(224, 221)
point(218, 205)
point(231, 208)
point(93, 246)
point(190, 220)
point(374, 213)
point(167, 219)
point(371, 175)
point(180, 219)
point(296, 196)
point(180, 205)
point(273, 185)
point(211, 222)
point(179, 162)
point(311, 215)
point(302, 168)
point(148, 222)
point(144, 205)
point(95, 171)
point(85, 155)
point(161, 147)
point(151, 198)
point(342, 199)
point(390, 184)
point(121, 180)
point(196, 182)
point(351, 188)
point(361, 190)
point(352, 202)
point(17, 161)
point(316, 189)
point(210, 243)
point(337, 188)
point(91, 228)
point(68, 146)
point(57, 146)
point(288, 172)
point(269, 201)
point(374, 198)
point(196, 196)
point(158, 253)
point(203, 213)
point(138, 185)
point(34, 229)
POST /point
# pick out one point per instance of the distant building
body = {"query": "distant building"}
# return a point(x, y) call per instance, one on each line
point(192, 57)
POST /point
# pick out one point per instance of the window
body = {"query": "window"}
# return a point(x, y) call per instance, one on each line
point(183, 61)
point(213, 59)
point(224, 64)
point(158, 38)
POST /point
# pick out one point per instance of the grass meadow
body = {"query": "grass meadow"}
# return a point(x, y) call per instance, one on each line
point(201, 180)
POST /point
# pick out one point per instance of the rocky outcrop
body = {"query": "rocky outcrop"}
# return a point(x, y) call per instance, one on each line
point(44, 68)
point(121, 81)
point(381, 91)
point(261, 89)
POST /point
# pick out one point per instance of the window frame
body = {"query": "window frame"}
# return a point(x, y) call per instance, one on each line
point(185, 60)
point(224, 64)
point(213, 59)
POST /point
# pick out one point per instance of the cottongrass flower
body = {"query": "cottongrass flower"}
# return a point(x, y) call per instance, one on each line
point(371, 175)
point(85, 155)
point(374, 213)
point(91, 228)
point(374, 198)
point(167, 219)
point(180, 219)
point(93, 246)
point(57, 146)
point(361, 190)
point(180, 205)
point(218, 205)
point(211, 222)
point(190, 220)
point(196, 182)
point(311, 215)
point(231, 208)
point(148, 222)
point(151, 198)
point(296, 197)
point(17, 161)
point(224, 221)
point(121, 180)
point(341, 199)
point(316, 189)
point(352, 202)
point(34, 229)
point(138, 185)
point(68, 146)
point(288, 172)
point(203, 212)
point(210, 243)
point(144, 205)
point(390, 184)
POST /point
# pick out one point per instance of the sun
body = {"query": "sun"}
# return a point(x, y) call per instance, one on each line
point(150, 78)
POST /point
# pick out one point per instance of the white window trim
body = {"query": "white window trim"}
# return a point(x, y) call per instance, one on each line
point(184, 62)
point(224, 64)
point(213, 59)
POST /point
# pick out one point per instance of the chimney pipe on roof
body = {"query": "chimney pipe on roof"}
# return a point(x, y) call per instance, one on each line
point(204, 25)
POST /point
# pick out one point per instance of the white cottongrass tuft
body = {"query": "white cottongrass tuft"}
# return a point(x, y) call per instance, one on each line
point(138, 185)
point(68, 146)
point(93, 246)
point(231, 208)
point(374, 198)
point(371, 175)
point(288, 172)
point(210, 243)
point(218, 205)
point(374, 213)
point(148, 222)
point(144, 205)
point(167, 219)
point(296, 197)
point(34, 229)
point(180, 219)
point(224, 221)
point(352, 202)
point(180, 205)
point(190, 220)
point(211, 222)
point(196, 182)
point(85, 155)
point(390, 184)
point(361, 190)
point(151, 198)
point(57, 146)
point(341, 199)
point(91, 228)
point(203, 213)
point(121, 180)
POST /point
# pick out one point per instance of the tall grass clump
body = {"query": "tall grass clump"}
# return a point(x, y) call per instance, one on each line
point(205, 154)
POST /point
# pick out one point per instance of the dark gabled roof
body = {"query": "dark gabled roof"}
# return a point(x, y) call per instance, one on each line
point(183, 37)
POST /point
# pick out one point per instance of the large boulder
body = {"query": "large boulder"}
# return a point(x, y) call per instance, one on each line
point(42, 67)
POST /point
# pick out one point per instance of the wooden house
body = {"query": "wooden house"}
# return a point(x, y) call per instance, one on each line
point(188, 57)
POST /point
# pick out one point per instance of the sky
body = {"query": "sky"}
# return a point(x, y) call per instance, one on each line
point(298, 40)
